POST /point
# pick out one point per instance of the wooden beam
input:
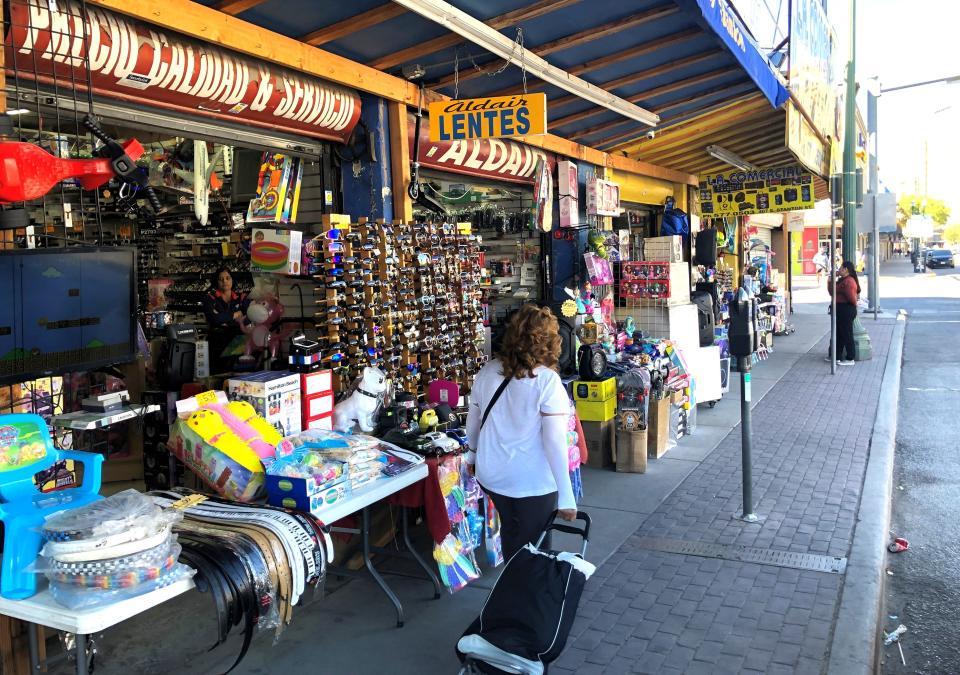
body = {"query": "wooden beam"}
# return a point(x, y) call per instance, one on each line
point(642, 75)
point(209, 25)
point(567, 42)
point(710, 136)
point(400, 161)
point(706, 119)
point(627, 54)
point(620, 163)
point(234, 7)
point(670, 106)
point(694, 151)
point(352, 24)
point(768, 158)
point(448, 40)
point(644, 95)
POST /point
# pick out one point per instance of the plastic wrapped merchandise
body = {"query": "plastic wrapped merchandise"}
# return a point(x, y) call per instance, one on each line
point(83, 585)
point(123, 524)
point(110, 550)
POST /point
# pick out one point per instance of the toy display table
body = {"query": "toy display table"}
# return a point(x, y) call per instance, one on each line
point(359, 502)
point(43, 610)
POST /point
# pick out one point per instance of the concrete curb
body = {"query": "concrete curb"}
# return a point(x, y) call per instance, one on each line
point(854, 647)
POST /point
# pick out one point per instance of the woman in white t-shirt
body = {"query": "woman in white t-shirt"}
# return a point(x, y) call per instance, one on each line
point(521, 448)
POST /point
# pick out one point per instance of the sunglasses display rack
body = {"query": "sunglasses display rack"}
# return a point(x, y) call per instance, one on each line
point(402, 297)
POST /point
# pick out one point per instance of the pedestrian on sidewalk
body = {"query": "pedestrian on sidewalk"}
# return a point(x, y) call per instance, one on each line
point(821, 261)
point(517, 426)
point(848, 292)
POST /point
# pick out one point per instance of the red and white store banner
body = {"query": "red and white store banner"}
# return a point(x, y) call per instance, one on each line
point(135, 62)
point(494, 158)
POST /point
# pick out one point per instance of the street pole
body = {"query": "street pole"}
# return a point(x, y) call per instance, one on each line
point(835, 201)
point(849, 247)
point(746, 434)
point(874, 187)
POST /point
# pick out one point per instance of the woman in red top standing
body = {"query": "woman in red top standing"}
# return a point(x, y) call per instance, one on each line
point(848, 292)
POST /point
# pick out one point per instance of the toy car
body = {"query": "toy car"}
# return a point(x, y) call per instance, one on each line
point(459, 435)
point(435, 443)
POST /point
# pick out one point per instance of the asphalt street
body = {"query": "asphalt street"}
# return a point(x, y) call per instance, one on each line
point(923, 583)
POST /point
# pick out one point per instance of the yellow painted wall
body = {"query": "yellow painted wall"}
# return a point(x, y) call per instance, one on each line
point(643, 190)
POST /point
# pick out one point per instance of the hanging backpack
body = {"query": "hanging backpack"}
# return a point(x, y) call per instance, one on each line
point(674, 221)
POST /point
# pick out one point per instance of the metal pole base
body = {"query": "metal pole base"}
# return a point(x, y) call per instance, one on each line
point(863, 347)
point(750, 518)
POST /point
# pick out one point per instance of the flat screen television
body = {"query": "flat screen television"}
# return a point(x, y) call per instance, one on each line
point(246, 175)
point(66, 310)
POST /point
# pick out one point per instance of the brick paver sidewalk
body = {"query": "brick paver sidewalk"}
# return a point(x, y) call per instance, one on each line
point(648, 611)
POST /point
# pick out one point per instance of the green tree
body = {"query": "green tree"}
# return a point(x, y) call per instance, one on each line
point(951, 234)
point(909, 205)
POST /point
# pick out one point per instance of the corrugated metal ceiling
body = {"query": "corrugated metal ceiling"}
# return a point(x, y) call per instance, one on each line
point(649, 52)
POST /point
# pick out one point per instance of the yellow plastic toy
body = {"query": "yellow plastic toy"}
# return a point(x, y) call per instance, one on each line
point(209, 426)
point(429, 419)
point(247, 413)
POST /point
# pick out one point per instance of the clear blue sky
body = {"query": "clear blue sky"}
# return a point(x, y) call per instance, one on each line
point(901, 42)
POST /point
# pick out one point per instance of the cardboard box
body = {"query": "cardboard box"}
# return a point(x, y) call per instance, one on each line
point(567, 182)
point(601, 440)
point(595, 391)
point(322, 422)
point(632, 451)
point(663, 249)
point(317, 382)
point(597, 411)
point(658, 427)
point(275, 395)
point(569, 211)
point(306, 494)
point(201, 360)
point(317, 406)
point(277, 251)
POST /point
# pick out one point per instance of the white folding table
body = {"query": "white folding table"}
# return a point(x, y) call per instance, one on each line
point(43, 610)
point(360, 501)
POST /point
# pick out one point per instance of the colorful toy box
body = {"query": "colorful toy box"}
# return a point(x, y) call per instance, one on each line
point(595, 391)
point(274, 395)
point(224, 443)
point(310, 495)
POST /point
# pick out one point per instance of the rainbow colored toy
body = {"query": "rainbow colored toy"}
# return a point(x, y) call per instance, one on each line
point(225, 444)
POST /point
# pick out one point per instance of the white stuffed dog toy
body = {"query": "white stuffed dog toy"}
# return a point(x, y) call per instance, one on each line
point(361, 405)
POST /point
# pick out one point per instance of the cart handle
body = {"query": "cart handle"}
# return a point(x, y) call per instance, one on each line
point(583, 532)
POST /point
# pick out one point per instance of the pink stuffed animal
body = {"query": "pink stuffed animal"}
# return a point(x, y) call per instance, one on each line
point(262, 314)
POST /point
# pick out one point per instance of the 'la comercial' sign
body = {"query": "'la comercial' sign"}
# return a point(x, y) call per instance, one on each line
point(491, 117)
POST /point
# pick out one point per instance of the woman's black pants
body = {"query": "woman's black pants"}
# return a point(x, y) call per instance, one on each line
point(522, 519)
point(846, 313)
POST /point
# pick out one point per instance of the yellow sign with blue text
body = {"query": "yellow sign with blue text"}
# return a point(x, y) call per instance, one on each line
point(745, 193)
point(491, 117)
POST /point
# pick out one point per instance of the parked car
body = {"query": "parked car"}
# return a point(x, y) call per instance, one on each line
point(940, 257)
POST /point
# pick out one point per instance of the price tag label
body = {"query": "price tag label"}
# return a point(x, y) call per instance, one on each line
point(206, 398)
point(187, 502)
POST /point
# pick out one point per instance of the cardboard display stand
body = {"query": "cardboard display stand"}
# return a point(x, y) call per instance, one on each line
point(601, 442)
point(631, 451)
point(658, 429)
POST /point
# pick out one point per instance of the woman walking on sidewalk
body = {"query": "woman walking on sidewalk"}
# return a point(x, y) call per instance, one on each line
point(517, 424)
point(848, 292)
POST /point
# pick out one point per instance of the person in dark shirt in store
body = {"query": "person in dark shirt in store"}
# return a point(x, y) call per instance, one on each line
point(225, 311)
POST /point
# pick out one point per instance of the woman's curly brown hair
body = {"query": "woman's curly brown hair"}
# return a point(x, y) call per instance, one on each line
point(532, 339)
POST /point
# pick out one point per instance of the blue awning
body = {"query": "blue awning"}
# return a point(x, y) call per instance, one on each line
point(724, 21)
point(689, 61)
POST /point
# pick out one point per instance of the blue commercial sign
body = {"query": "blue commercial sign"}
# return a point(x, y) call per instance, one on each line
point(726, 24)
